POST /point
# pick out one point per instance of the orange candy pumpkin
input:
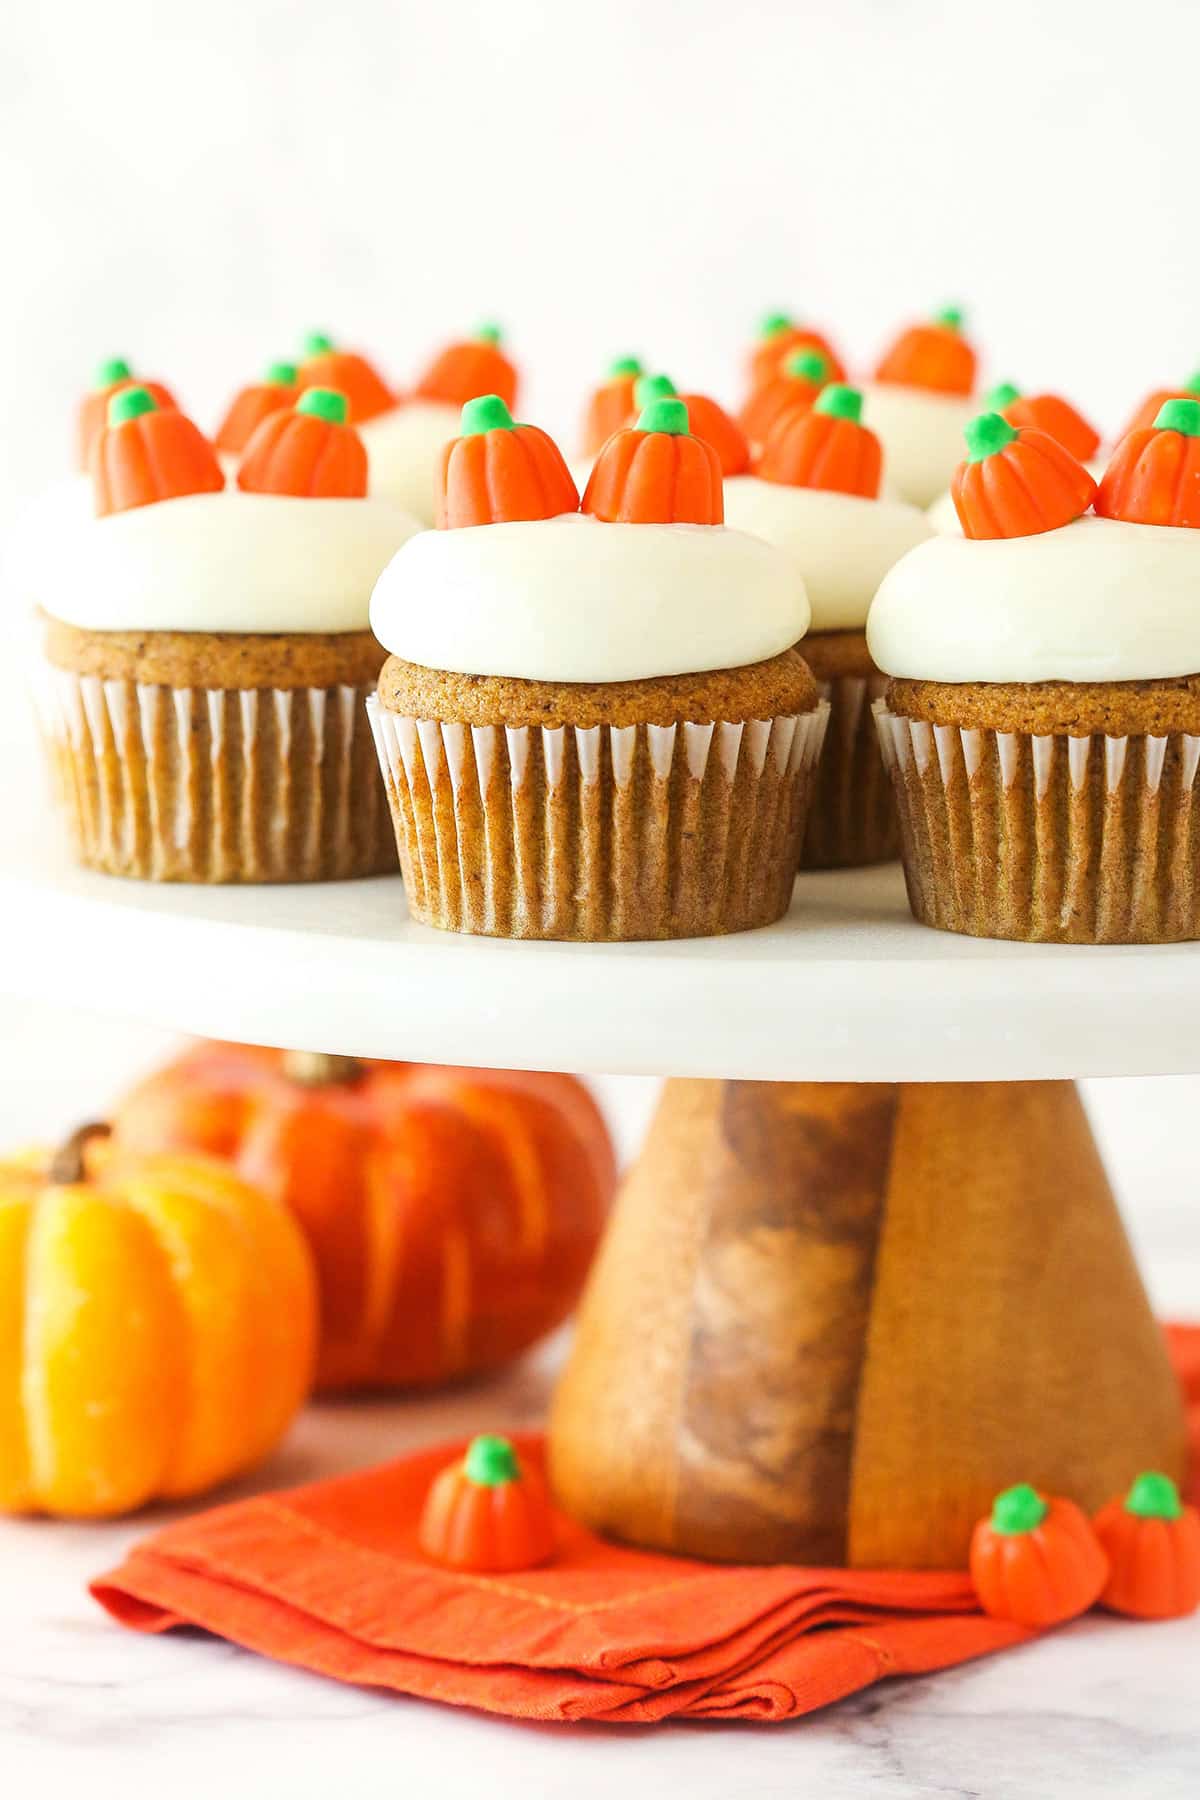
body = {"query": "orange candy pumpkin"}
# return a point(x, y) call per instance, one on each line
point(610, 405)
point(147, 453)
point(777, 336)
point(346, 372)
point(467, 370)
point(452, 1213)
point(825, 445)
point(498, 471)
point(933, 355)
point(251, 405)
point(110, 378)
point(1046, 412)
point(486, 1513)
point(157, 1328)
point(706, 419)
point(800, 377)
point(1036, 1560)
point(1154, 475)
point(1153, 404)
point(1152, 1541)
point(308, 450)
point(1017, 483)
point(657, 473)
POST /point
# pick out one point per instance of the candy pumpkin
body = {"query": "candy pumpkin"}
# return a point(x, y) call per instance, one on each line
point(308, 450)
point(464, 371)
point(1154, 475)
point(1152, 1541)
point(147, 453)
point(1035, 1560)
point(497, 471)
point(452, 1212)
point(487, 1513)
point(1017, 483)
point(800, 377)
point(777, 335)
point(706, 419)
point(251, 405)
point(610, 405)
point(109, 379)
point(1045, 412)
point(1153, 404)
point(346, 372)
point(825, 445)
point(933, 355)
point(657, 473)
point(157, 1328)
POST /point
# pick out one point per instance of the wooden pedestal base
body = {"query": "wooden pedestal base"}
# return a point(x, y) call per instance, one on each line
point(830, 1322)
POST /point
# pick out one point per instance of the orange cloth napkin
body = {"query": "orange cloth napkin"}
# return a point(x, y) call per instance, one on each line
point(330, 1577)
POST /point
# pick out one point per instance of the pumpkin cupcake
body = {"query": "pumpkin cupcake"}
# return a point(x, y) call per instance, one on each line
point(207, 653)
point(919, 403)
point(814, 492)
point(593, 726)
point(1045, 412)
point(1042, 723)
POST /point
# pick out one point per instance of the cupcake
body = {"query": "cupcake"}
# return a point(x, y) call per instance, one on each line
point(919, 403)
point(814, 492)
point(1042, 723)
point(593, 725)
point(206, 652)
point(1045, 412)
point(779, 334)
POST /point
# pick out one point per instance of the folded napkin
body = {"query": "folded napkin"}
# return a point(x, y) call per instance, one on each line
point(330, 1577)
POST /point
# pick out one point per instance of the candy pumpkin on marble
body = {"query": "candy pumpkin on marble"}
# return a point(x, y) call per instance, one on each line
point(657, 473)
point(452, 1213)
point(497, 471)
point(1152, 1541)
point(1036, 1559)
point(157, 1327)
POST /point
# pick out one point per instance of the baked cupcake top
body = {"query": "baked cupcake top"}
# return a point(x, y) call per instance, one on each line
point(645, 581)
point(814, 492)
point(1039, 589)
point(295, 548)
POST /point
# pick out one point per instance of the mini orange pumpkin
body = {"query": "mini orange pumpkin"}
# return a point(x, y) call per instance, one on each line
point(307, 450)
point(252, 404)
point(346, 372)
point(934, 355)
point(610, 405)
point(777, 335)
point(1154, 475)
point(1035, 1560)
point(800, 377)
point(147, 453)
point(157, 1328)
point(1153, 404)
point(825, 445)
point(1045, 412)
point(110, 378)
point(706, 419)
point(486, 1513)
point(1152, 1541)
point(1017, 483)
point(497, 471)
point(452, 1213)
point(657, 473)
point(470, 369)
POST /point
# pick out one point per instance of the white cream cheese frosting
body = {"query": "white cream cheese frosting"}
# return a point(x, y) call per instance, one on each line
point(843, 544)
point(922, 436)
point(576, 599)
point(1098, 600)
point(404, 451)
point(221, 562)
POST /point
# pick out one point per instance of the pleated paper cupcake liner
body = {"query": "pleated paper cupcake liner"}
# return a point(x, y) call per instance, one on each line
point(215, 784)
point(599, 833)
point(852, 819)
point(1047, 839)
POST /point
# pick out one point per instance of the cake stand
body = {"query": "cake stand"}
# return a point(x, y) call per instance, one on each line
point(867, 1269)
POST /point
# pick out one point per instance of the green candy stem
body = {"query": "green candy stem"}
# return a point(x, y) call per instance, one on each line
point(774, 325)
point(130, 403)
point(987, 434)
point(487, 413)
point(1018, 1509)
point(949, 316)
point(317, 343)
point(114, 368)
point(491, 1461)
point(840, 402)
point(280, 374)
point(652, 387)
point(1154, 1496)
point(1192, 384)
point(324, 403)
point(668, 414)
point(1179, 415)
point(624, 365)
point(809, 365)
point(1002, 395)
point(488, 333)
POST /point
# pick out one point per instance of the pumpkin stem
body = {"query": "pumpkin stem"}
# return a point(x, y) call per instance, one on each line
point(1018, 1509)
point(280, 374)
point(324, 403)
point(130, 403)
point(986, 435)
point(488, 333)
point(487, 413)
point(1179, 415)
point(1192, 384)
point(114, 368)
point(951, 317)
point(491, 1461)
point(68, 1165)
point(840, 401)
point(810, 365)
point(624, 365)
point(1002, 395)
point(317, 343)
point(668, 414)
point(774, 325)
point(652, 387)
point(318, 1068)
point(1154, 1496)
